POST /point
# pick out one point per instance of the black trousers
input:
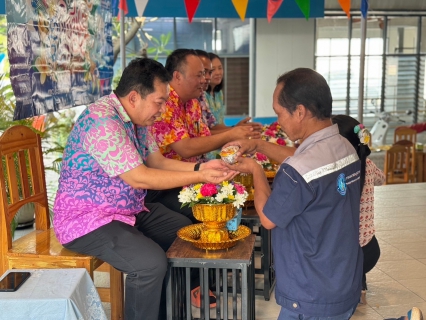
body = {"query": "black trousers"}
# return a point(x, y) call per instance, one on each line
point(138, 251)
point(371, 255)
point(169, 198)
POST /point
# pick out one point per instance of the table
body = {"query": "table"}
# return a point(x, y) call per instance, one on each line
point(52, 294)
point(182, 256)
point(251, 219)
point(379, 160)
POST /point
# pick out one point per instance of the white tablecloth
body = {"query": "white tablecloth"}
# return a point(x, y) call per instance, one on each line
point(53, 294)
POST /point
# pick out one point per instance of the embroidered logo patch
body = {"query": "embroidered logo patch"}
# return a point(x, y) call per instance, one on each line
point(341, 184)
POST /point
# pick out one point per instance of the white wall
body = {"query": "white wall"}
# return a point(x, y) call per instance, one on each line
point(282, 45)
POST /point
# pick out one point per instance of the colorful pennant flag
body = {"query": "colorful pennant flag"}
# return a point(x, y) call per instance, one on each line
point(191, 7)
point(305, 7)
point(364, 8)
point(140, 6)
point(122, 4)
point(273, 6)
point(346, 6)
point(241, 8)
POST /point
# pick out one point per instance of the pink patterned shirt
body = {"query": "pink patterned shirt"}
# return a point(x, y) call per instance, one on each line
point(373, 177)
point(180, 121)
point(103, 144)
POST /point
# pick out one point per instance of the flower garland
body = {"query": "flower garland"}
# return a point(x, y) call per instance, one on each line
point(209, 193)
point(272, 133)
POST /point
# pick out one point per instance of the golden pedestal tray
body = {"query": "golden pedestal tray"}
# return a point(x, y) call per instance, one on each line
point(192, 233)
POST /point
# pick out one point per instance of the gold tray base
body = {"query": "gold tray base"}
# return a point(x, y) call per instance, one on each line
point(270, 174)
point(250, 200)
point(192, 233)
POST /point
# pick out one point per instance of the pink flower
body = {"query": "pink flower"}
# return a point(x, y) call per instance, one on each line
point(270, 133)
point(208, 190)
point(240, 188)
point(281, 142)
point(261, 157)
point(273, 126)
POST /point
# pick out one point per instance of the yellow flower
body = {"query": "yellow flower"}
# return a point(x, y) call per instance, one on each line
point(197, 186)
point(225, 183)
point(231, 197)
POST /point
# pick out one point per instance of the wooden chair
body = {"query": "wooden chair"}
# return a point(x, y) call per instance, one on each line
point(22, 181)
point(397, 162)
point(405, 133)
point(412, 174)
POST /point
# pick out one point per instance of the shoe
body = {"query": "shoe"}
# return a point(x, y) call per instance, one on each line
point(363, 298)
point(196, 298)
point(415, 314)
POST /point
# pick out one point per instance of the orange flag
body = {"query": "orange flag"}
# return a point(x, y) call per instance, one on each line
point(273, 6)
point(346, 6)
point(191, 7)
point(241, 7)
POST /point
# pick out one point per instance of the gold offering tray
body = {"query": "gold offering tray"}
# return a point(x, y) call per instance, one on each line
point(270, 174)
point(192, 233)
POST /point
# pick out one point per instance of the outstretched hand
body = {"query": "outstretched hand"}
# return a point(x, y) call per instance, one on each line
point(245, 146)
point(244, 132)
point(217, 176)
point(255, 125)
point(244, 165)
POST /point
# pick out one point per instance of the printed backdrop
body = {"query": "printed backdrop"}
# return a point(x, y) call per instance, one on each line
point(60, 53)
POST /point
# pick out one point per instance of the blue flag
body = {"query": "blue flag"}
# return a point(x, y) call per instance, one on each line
point(364, 8)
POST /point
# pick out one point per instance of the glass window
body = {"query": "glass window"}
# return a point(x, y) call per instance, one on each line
point(195, 35)
point(402, 35)
point(232, 37)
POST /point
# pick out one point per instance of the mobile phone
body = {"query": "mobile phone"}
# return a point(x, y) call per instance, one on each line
point(13, 280)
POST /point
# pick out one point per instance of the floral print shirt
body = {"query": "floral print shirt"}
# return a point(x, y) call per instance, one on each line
point(180, 121)
point(217, 106)
point(208, 117)
point(373, 177)
point(103, 144)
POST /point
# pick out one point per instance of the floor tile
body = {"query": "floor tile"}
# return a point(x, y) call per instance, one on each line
point(416, 250)
point(365, 312)
point(391, 293)
point(418, 286)
point(409, 269)
point(398, 310)
point(390, 253)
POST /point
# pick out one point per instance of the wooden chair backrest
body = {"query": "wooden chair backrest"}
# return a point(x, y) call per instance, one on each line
point(412, 150)
point(397, 164)
point(405, 133)
point(22, 180)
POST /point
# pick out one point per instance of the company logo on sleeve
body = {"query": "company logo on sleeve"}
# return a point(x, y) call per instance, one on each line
point(341, 184)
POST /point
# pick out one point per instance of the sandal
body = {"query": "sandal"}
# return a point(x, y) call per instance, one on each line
point(196, 298)
point(415, 314)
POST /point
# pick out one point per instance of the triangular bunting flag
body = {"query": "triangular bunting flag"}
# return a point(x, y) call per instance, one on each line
point(122, 4)
point(140, 6)
point(241, 7)
point(191, 6)
point(305, 7)
point(273, 6)
point(346, 6)
point(364, 8)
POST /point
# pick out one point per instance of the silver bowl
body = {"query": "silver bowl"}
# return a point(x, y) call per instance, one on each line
point(229, 154)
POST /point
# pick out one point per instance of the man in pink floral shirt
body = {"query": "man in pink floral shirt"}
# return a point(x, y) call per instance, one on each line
point(109, 162)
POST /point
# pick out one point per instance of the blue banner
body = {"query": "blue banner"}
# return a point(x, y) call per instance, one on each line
point(213, 9)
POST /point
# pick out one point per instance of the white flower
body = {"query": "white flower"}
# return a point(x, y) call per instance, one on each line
point(220, 196)
point(240, 199)
point(187, 195)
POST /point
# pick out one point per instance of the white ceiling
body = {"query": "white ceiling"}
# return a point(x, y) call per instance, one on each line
point(381, 5)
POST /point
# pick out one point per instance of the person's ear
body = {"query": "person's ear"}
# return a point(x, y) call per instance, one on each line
point(177, 75)
point(300, 112)
point(133, 96)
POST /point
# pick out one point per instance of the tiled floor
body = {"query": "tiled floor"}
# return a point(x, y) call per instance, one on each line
point(398, 282)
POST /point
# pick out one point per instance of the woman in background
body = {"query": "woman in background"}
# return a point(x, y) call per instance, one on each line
point(214, 93)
